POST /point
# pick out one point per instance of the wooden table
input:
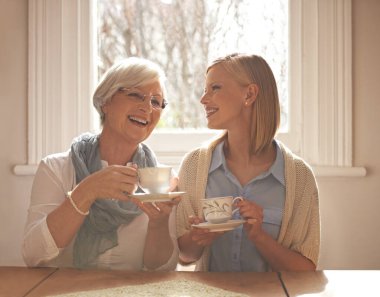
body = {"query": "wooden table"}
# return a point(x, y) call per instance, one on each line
point(19, 281)
point(33, 282)
point(65, 280)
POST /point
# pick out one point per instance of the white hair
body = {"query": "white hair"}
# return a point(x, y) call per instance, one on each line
point(127, 73)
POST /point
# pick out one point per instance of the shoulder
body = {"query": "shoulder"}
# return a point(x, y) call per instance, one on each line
point(189, 163)
point(58, 164)
point(57, 160)
point(295, 165)
point(192, 156)
point(198, 156)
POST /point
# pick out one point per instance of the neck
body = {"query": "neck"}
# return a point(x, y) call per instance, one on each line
point(115, 150)
point(237, 150)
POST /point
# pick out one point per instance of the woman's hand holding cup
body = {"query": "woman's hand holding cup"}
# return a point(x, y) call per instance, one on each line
point(254, 215)
point(202, 237)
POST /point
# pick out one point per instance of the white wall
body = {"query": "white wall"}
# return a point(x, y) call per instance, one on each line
point(14, 190)
point(350, 207)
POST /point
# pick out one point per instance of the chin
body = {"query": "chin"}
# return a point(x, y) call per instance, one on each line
point(213, 126)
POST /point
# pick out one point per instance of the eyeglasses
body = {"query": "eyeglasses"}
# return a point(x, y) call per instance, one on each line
point(156, 101)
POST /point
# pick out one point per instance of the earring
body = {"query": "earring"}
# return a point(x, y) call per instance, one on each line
point(246, 103)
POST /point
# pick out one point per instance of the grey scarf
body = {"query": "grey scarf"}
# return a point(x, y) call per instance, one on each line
point(98, 232)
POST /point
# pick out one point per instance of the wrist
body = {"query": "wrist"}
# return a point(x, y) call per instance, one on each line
point(195, 249)
point(81, 206)
point(159, 224)
point(258, 237)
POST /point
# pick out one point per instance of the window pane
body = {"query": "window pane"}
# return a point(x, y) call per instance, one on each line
point(184, 35)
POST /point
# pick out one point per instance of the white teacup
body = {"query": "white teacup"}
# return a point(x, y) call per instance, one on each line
point(219, 209)
point(154, 179)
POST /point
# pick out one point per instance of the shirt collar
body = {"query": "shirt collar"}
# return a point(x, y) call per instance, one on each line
point(277, 168)
point(218, 158)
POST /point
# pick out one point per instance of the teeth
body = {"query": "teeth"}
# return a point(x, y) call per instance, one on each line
point(141, 121)
point(210, 111)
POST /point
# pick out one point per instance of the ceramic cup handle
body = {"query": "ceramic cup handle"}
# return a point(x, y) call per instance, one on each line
point(234, 201)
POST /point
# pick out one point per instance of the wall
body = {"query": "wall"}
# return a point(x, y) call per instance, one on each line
point(14, 190)
point(349, 206)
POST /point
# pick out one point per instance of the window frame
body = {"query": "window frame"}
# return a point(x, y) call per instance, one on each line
point(62, 76)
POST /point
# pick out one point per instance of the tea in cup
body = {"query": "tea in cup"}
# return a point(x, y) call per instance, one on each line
point(155, 179)
point(219, 209)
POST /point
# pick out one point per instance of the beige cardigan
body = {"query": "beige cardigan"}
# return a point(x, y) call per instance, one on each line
point(300, 227)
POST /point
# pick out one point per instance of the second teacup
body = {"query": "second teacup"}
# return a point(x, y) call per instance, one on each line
point(219, 209)
point(155, 179)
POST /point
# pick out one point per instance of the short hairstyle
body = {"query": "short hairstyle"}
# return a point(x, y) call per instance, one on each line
point(248, 69)
point(127, 73)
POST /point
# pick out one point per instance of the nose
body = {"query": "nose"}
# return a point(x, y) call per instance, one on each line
point(146, 105)
point(204, 98)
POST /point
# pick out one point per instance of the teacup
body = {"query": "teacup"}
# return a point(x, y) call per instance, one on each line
point(219, 209)
point(154, 179)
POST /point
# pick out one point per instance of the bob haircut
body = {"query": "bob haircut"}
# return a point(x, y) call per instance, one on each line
point(252, 69)
point(127, 73)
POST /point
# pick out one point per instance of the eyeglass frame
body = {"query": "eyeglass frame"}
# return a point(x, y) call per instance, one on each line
point(142, 97)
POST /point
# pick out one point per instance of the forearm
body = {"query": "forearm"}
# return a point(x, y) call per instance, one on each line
point(158, 245)
point(190, 251)
point(279, 257)
point(64, 222)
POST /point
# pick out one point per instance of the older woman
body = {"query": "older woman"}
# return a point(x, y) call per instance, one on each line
point(280, 195)
point(80, 213)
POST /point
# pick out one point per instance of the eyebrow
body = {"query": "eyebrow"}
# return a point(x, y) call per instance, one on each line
point(153, 94)
point(214, 82)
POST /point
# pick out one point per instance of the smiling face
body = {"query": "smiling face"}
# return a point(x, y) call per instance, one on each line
point(224, 100)
point(129, 119)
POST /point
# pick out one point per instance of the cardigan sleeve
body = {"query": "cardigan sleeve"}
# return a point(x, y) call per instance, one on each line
point(301, 222)
point(309, 246)
point(189, 181)
point(187, 184)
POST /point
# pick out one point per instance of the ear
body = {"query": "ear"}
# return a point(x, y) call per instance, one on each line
point(252, 92)
point(104, 107)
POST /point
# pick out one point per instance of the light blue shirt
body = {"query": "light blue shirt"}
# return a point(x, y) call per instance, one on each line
point(233, 251)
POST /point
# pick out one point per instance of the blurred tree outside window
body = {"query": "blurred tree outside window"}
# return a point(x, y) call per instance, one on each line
point(183, 36)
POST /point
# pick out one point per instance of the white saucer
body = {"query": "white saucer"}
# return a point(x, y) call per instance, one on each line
point(227, 226)
point(156, 197)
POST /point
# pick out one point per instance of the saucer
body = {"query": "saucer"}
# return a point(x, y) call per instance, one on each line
point(156, 197)
point(227, 226)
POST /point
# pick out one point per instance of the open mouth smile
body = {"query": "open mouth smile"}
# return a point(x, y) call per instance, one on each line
point(211, 111)
point(138, 121)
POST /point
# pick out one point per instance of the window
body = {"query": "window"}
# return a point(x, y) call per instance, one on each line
point(182, 36)
point(61, 80)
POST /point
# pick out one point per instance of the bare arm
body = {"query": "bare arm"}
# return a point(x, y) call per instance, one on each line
point(190, 251)
point(192, 243)
point(64, 222)
point(278, 257)
point(159, 245)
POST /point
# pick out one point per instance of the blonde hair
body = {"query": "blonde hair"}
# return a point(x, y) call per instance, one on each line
point(248, 69)
point(127, 73)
